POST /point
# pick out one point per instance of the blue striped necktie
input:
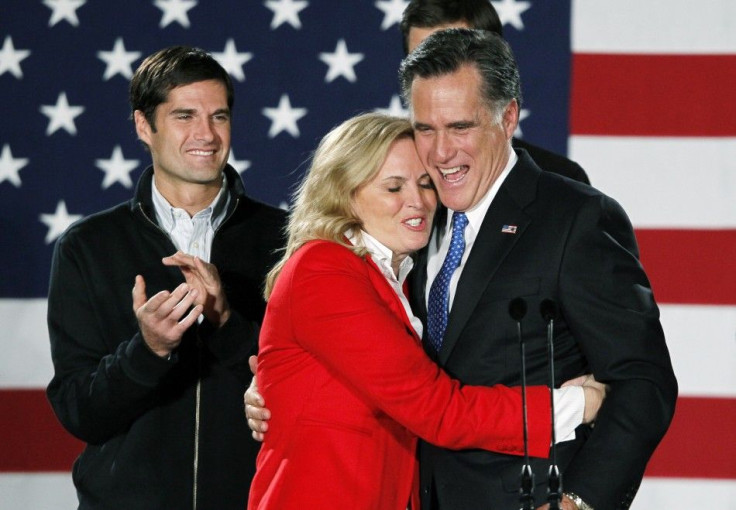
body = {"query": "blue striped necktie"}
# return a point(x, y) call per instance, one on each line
point(438, 305)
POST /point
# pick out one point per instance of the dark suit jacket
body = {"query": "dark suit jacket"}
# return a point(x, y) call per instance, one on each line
point(575, 246)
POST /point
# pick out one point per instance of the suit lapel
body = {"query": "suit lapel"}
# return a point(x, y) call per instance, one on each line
point(491, 247)
point(417, 285)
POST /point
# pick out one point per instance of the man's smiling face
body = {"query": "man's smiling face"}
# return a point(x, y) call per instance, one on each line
point(463, 145)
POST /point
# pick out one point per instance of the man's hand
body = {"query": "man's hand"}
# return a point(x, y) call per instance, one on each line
point(255, 410)
point(162, 318)
point(203, 277)
point(595, 394)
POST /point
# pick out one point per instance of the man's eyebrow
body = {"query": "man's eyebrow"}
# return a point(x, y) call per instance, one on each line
point(177, 111)
point(219, 111)
point(462, 123)
point(455, 124)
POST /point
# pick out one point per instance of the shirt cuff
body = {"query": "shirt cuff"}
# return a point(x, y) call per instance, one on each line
point(569, 410)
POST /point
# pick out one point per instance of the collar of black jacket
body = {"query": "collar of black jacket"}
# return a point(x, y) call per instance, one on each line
point(142, 198)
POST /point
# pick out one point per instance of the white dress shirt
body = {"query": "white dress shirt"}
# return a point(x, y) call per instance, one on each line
point(382, 256)
point(191, 235)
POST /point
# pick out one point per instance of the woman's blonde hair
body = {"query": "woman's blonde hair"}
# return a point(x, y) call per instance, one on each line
point(347, 158)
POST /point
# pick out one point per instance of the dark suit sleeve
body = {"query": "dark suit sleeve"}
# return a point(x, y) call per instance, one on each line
point(610, 309)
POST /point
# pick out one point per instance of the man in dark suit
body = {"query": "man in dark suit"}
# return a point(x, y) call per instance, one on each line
point(423, 17)
point(538, 236)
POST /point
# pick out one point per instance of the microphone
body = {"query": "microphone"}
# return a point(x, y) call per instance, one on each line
point(548, 309)
point(517, 311)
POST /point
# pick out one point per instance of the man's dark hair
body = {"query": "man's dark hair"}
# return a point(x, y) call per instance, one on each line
point(170, 68)
point(446, 51)
point(478, 14)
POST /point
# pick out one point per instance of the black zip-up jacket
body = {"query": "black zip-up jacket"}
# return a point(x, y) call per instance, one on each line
point(161, 434)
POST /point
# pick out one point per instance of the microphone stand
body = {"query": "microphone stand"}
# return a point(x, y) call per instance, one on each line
point(517, 310)
point(548, 309)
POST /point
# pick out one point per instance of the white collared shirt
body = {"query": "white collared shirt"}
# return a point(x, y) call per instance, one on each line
point(437, 254)
point(382, 256)
point(191, 235)
point(570, 400)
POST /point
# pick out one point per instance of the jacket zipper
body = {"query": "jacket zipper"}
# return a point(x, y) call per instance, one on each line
point(198, 390)
point(198, 393)
point(198, 401)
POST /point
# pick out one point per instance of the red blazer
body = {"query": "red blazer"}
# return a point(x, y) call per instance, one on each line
point(350, 389)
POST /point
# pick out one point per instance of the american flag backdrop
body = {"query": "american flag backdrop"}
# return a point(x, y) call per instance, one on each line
point(642, 93)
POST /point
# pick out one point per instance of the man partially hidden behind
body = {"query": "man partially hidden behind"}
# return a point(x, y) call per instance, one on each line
point(424, 17)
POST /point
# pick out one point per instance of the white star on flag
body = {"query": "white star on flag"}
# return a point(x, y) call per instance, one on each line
point(240, 165)
point(61, 115)
point(232, 60)
point(117, 168)
point(58, 222)
point(284, 117)
point(523, 114)
point(118, 60)
point(64, 10)
point(509, 12)
point(341, 62)
point(9, 166)
point(392, 11)
point(286, 11)
point(395, 108)
point(10, 58)
point(175, 10)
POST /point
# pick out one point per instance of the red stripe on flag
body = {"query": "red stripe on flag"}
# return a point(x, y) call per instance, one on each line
point(697, 445)
point(690, 266)
point(33, 439)
point(700, 441)
point(653, 95)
